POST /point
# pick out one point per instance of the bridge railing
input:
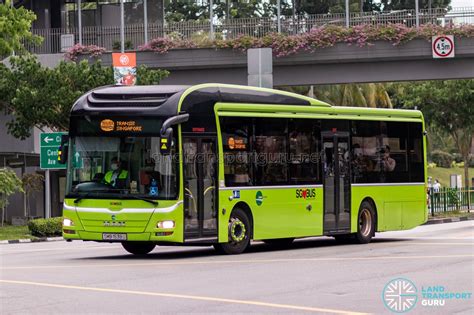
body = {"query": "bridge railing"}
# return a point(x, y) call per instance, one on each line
point(57, 39)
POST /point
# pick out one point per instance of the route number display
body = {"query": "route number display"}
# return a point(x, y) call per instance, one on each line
point(443, 46)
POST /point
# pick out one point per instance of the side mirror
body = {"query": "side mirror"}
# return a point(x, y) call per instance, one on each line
point(166, 141)
point(63, 149)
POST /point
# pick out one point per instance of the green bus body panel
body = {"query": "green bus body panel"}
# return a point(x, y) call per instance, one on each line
point(89, 224)
point(279, 214)
point(398, 207)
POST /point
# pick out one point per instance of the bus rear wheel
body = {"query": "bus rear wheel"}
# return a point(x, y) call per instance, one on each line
point(239, 234)
point(365, 223)
point(138, 248)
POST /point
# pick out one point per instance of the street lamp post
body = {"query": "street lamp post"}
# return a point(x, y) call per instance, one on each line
point(417, 13)
point(279, 15)
point(122, 25)
point(145, 19)
point(79, 20)
point(211, 18)
point(347, 13)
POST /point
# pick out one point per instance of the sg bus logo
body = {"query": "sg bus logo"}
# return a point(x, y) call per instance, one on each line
point(306, 193)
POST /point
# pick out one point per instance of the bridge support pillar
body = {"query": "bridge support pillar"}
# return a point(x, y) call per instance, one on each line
point(260, 67)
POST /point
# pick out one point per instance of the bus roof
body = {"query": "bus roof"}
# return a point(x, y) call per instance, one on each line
point(171, 99)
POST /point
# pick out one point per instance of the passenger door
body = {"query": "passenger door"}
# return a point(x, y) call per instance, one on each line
point(200, 193)
point(336, 180)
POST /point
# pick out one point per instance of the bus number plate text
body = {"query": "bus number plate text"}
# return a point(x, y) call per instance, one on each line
point(114, 237)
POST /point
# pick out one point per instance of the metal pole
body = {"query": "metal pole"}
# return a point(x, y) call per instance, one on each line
point(122, 25)
point(347, 13)
point(145, 19)
point(279, 15)
point(417, 13)
point(294, 16)
point(79, 20)
point(211, 19)
point(47, 195)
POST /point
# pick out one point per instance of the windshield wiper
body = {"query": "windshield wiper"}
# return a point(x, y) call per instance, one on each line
point(155, 203)
point(88, 194)
point(82, 197)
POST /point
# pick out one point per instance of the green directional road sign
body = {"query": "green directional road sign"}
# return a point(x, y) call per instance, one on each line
point(49, 146)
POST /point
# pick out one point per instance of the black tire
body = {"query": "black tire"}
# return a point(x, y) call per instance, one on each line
point(280, 242)
point(239, 234)
point(138, 248)
point(365, 223)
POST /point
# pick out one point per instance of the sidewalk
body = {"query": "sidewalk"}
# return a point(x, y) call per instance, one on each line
point(35, 240)
point(464, 217)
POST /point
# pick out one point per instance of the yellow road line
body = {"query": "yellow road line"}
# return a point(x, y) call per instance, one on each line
point(241, 261)
point(183, 296)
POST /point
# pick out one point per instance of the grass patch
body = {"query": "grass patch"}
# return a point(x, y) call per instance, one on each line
point(13, 232)
point(443, 174)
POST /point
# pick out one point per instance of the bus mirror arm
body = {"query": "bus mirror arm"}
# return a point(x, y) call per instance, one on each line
point(178, 119)
point(166, 133)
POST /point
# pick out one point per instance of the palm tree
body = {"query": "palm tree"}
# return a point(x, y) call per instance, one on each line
point(359, 95)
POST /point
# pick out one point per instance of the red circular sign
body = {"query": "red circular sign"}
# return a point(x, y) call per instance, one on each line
point(440, 48)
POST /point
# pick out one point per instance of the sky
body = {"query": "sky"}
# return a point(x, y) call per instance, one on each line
point(462, 3)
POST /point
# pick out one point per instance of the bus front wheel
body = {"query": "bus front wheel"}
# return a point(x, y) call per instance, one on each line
point(138, 248)
point(239, 234)
point(365, 223)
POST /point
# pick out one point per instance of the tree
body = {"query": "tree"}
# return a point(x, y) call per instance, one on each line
point(37, 96)
point(391, 5)
point(358, 95)
point(448, 105)
point(15, 29)
point(30, 183)
point(9, 184)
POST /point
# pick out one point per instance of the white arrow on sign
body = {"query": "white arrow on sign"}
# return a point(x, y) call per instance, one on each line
point(48, 139)
point(77, 156)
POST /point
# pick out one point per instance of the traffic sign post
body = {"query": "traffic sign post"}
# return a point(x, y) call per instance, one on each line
point(49, 147)
point(443, 46)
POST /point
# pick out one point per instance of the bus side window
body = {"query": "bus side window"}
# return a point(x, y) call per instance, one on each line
point(236, 133)
point(304, 159)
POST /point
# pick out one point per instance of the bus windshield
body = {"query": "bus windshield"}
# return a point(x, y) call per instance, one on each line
point(120, 167)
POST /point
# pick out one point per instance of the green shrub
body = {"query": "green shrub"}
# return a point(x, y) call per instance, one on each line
point(46, 227)
point(441, 158)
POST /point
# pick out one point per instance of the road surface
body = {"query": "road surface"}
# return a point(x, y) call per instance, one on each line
point(314, 276)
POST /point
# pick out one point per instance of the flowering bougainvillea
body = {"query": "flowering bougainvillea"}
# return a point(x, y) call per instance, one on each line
point(80, 50)
point(318, 37)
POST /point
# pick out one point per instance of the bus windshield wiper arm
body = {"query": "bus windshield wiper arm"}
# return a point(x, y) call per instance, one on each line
point(88, 194)
point(155, 203)
point(82, 197)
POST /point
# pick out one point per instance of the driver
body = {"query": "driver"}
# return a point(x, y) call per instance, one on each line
point(117, 176)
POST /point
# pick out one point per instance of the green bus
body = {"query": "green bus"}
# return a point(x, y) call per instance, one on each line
point(222, 165)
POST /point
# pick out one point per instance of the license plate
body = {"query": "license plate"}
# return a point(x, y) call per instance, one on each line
point(114, 237)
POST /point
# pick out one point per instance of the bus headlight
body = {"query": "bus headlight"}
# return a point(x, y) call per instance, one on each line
point(67, 222)
point(165, 224)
